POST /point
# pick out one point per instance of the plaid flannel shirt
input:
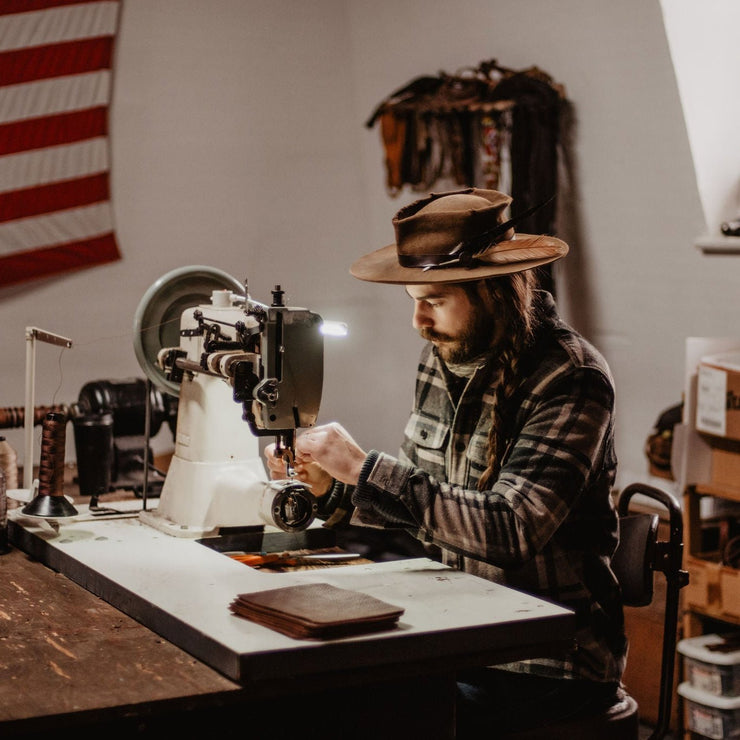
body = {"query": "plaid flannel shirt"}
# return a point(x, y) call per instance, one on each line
point(547, 525)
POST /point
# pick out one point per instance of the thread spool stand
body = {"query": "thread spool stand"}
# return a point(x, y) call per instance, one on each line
point(33, 335)
point(50, 502)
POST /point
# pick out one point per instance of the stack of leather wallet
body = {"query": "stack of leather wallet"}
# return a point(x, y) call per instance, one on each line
point(317, 611)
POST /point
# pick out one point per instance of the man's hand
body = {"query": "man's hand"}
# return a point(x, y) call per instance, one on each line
point(332, 447)
point(309, 473)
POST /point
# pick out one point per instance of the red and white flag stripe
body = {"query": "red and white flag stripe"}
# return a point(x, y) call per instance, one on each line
point(56, 61)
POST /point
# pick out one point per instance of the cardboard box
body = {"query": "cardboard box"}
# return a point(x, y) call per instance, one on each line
point(729, 584)
point(712, 586)
point(703, 589)
point(726, 464)
point(718, 395)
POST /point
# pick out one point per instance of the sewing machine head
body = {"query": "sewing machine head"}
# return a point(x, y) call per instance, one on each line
point(242, 370)
point(271, 356)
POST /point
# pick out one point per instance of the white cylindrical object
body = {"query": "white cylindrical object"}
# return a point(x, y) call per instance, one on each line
point(288, 505)
point(9, 464)
point(30, 402)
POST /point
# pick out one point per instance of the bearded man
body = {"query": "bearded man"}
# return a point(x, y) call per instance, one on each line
point(507, 463)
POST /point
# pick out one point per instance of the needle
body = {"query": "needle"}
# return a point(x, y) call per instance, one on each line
point(288, 460)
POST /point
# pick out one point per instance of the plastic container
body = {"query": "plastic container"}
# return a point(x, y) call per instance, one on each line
point(713, 671)
point(716, 717)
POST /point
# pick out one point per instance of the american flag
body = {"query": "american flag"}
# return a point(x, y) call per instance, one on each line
point(56, 61)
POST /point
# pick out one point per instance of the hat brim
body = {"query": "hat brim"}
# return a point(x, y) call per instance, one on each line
point(381, 266)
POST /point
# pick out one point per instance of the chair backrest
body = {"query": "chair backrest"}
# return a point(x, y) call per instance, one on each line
point(632, 562)
point(639, 554)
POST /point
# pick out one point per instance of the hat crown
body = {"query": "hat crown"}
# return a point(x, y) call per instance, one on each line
point(456, 202)
point(457, 236)
point(432, 227)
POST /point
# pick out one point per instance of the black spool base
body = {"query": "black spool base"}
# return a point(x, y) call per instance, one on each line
point(50, 507)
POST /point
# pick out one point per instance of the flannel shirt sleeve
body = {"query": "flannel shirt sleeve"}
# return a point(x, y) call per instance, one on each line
point(554, 458)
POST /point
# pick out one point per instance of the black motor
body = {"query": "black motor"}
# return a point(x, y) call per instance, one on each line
point(109, 421)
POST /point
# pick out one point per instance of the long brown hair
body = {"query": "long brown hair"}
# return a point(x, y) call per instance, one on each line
point(513, 301)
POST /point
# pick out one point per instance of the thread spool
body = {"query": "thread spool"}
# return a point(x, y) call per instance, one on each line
point(51, 463)
point(9, 464)
point(50, 501)
point(15, 416)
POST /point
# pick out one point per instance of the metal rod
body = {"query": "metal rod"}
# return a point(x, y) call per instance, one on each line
point(32, 334)
point(147, 433)
point(28, 424)
point(49, 337)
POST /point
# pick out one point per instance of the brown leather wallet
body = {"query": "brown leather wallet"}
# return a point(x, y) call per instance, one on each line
point(316, 611)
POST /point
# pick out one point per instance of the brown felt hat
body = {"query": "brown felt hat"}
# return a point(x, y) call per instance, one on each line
point(455, 237)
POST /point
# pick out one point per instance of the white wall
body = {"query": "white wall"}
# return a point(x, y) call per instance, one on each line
point(238, 142)
point(706, 56)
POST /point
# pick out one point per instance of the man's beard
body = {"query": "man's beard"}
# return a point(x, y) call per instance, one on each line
point(476, 338)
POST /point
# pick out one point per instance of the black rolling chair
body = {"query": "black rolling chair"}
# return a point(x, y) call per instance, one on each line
point(640, 553)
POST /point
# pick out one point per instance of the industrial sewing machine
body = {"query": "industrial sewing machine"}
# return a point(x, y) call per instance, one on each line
point(241, 370)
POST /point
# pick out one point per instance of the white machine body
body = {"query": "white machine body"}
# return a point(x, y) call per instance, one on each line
point(216, 477)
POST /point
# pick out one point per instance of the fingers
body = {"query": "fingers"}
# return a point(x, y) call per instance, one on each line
point(304, 469)
point(321, 454)
point(275, 465)
point(318, 438)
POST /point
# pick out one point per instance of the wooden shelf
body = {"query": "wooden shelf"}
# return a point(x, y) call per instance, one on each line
point(711, 599)
point(716, 615)
point(723, 492)
point(712, 585)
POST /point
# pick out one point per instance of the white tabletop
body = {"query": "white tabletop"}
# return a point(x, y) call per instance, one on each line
point(182, 589)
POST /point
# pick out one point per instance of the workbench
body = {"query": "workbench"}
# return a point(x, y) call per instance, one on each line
point(109, 626)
